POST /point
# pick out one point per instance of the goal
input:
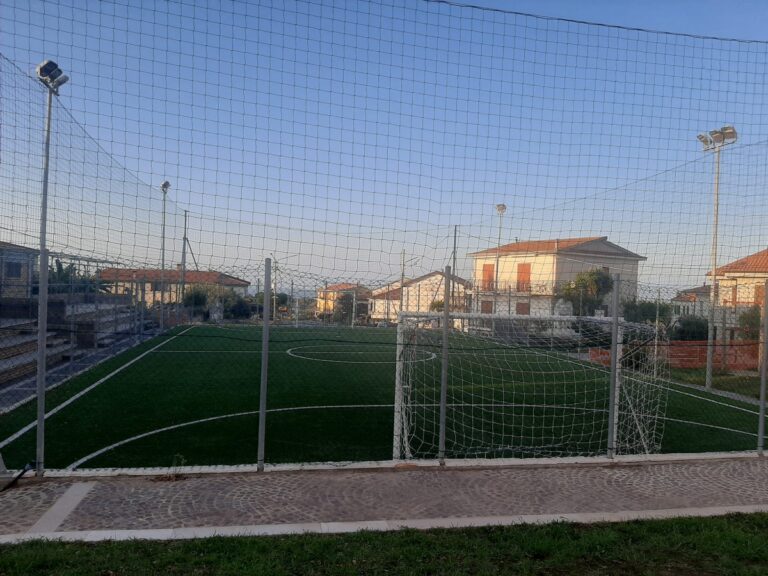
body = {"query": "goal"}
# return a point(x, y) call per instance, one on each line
point(528, 386)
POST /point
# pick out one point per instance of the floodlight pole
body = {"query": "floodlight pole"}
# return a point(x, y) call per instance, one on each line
point(713, 287)
point(500, 208)
point(164, 187)
point(714, 140)
point(184, 260)
point(42, 297)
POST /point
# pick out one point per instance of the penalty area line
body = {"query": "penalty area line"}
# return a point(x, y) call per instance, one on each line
point(85, 391)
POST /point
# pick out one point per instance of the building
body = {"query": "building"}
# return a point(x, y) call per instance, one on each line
point(146, 283)
point(418, 295)
point(741, 283)
point(18, 265)
point(327, 297)
point(530, 272)
point(691, 302)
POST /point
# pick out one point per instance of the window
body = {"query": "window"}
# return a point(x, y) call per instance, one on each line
point(157, 286)
point(13, 269)
point(523, 308)
point(486, 306)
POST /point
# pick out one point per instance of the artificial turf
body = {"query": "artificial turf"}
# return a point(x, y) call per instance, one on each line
point(330, 398)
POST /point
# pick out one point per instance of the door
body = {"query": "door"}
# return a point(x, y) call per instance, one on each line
point(488, 277)
point(523, 277)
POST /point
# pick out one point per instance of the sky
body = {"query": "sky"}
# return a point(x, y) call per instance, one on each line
point(336, 135)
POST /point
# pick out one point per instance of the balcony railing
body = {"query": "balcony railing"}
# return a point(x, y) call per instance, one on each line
point(515, 287)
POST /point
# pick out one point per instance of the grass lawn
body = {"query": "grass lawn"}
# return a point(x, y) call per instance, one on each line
point(744, 384)
point(734, 545)
point(331, 396)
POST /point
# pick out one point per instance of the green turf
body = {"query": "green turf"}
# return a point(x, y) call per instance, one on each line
point(734, 545)
point(211, 372)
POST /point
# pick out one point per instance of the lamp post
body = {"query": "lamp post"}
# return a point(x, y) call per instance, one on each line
point(52, 78)
point(500, 208)
point(714, 140)
point(164, 188)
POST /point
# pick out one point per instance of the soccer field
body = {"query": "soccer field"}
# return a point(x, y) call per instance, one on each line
point(191, 397)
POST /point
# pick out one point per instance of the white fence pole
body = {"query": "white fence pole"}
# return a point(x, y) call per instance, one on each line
point(613, 395)
point(444, 367)
point(763, 374)
point(264, 363)
point(397, 436)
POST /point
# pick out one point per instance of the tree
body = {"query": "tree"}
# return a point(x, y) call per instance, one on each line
point(690, 328)
point(749, 324)
point(342, 307)
point(195, 298)
point(235, 306)
point(644, 312)
point(63, 279)
point(282, 298)
point(586, 291)
point(436, 306)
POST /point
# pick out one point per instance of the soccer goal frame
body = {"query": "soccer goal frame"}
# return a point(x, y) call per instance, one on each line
point(494, 385)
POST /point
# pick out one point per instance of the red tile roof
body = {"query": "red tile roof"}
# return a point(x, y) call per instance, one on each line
point(172, 276)
point(754, 263)
point(546, 246)
point(342, 286)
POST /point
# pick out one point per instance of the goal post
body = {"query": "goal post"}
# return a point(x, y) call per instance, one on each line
point(523, 386)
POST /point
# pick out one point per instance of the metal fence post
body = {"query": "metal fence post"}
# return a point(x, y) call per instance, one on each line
point(397, 436)
point(264, 362)
point(613, 394)
point(763, 374)
point(444, 367)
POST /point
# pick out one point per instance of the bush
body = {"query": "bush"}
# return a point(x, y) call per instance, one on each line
point(749, 322)
point(690, 328)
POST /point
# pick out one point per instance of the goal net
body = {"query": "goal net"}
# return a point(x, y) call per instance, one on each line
point(527, 386)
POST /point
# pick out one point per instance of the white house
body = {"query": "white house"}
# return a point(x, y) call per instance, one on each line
point(418, 295)
point(522, 277)
point(691, 302)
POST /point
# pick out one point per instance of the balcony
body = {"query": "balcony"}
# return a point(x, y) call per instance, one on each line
point(515, 288)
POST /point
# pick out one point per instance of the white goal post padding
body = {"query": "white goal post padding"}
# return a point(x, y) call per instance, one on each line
point(523, 386)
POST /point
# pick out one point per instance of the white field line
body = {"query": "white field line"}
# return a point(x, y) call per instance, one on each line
point(101, 451)
point(85, 391)
point(670, 385)
point(291, 351)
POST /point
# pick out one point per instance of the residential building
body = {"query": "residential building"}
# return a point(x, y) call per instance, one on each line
point(530, 272)
point(418, 295)
point(147, 283)
point(327, 296)
point(741, 283)
point(691, 302)
point(18, 265)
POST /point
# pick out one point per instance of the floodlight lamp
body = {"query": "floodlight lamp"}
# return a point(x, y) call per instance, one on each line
point(165, 186)
point(63, 79)
point(729, 134)
point(501, 208)
point(717, 137)
point(48, 71)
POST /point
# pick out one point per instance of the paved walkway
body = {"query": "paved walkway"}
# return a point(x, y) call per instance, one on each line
point(344, 500)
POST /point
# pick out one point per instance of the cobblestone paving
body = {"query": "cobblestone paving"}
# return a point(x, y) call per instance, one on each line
point(347, 495)
point(22, 506)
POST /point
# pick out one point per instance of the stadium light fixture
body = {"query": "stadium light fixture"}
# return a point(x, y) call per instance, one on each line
point(53, 78)
point(51, 75)
point(714, 140)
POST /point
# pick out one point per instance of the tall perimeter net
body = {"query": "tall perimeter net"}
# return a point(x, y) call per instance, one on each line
point(529, 386)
